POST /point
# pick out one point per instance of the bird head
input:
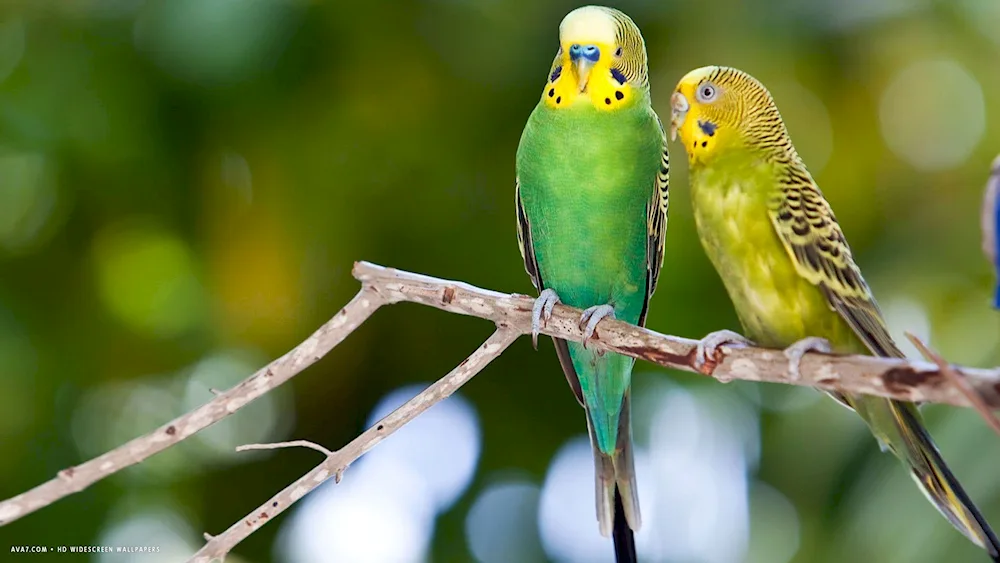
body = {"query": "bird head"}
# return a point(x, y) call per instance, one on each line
point(715, 108)
point(601, 60)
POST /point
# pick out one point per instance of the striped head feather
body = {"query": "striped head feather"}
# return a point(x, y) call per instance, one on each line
point(715, 108)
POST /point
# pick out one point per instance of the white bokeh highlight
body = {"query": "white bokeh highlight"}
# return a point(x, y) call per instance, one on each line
point(701, 452)
point(269, 418)
point(442, 445)
point(903, 315)
point(501, 525)
point(932, 114)
point(378, 514)
point(984, 15)
point(155, 527)
point(693, 482)
point(774, 526)
point(111, 414)
point(385, 508)
point(808, 122)
point(567, 515)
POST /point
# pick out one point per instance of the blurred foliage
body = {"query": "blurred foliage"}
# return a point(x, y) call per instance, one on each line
point(185, 184)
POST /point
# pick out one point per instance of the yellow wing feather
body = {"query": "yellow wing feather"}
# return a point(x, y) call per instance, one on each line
point(807, 227)
point(809, 231)
point(813, 239)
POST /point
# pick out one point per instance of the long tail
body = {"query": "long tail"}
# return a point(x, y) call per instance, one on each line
point(615, 491)
point(915, 447)
point(615, 478)
point(623, 537)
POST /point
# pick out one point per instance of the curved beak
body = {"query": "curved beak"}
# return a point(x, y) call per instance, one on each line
point(582, 67)
point(583, 57)
point(679, 107)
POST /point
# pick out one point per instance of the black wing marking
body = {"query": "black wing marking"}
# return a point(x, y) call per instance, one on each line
point(656, 224)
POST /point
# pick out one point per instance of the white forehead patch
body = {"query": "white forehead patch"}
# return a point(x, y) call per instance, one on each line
point(589, 24)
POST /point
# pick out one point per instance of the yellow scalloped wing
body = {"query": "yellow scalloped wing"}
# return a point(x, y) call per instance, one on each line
point(809, 231)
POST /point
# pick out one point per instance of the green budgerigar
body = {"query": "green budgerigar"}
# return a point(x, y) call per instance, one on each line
point(786, 265)
point(592, 175)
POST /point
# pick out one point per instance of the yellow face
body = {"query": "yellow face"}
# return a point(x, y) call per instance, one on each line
point(703, 114)
point(592, 66)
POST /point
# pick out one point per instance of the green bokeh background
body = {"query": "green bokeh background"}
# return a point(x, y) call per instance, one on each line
point(187, 183)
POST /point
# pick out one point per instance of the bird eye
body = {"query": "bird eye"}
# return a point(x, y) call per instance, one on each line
point(618, 52)
point(707, 92)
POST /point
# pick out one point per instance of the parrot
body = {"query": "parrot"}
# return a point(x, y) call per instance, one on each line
point(990, 223)
point(591, 190)
point(786, 265)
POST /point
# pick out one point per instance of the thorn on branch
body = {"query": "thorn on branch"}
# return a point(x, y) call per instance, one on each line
point(958, 381)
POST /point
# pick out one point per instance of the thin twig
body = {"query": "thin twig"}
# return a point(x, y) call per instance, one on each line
point(335, 464)
point(958, 381)
point(280, 445)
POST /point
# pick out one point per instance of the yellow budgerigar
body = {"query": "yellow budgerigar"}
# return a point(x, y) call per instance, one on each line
point(783, 258)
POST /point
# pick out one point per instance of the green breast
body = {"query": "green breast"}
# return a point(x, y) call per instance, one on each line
point(586, 177)
point(775, 304)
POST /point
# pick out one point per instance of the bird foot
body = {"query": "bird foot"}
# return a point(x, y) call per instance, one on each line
point(795, 352)
point(591, 316)
point(709, 346)
point(541, 312)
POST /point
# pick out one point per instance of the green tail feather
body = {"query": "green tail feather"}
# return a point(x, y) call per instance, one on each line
point(604, 380)
point(616, 471)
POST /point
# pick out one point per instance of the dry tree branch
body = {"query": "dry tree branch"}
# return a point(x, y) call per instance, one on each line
point(900, 379)
point(335, 463)
point(886, 377)
point(75, 479)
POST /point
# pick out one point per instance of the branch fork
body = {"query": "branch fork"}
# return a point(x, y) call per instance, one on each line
point(905, 380)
